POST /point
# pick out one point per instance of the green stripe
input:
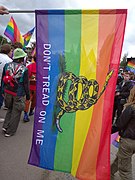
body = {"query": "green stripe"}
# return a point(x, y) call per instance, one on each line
point(10, 28)
point(64, 144)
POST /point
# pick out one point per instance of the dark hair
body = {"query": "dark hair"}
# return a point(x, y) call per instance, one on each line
point(5, 49)
point(19, 60)
point(17, 45)
point(34, 58)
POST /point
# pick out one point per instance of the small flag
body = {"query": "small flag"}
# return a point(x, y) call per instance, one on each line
point(115, 138)
point(12, 32)
point(131, 66)
point(28, 36)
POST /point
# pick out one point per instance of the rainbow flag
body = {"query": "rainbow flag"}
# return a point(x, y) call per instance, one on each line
point(12, 32)
point(131, 66)
point(116, 141)
point(115, 138)
point(78, 55)
point(28, 36)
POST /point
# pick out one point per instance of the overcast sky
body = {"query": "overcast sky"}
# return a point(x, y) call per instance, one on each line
point(25, 22)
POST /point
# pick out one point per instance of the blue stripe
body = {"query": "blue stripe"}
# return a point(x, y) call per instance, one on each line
point(56, 32)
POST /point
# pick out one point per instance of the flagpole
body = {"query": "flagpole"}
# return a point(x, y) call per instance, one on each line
point(21, 11)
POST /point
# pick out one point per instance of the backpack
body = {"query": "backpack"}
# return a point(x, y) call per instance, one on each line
point(9, 79)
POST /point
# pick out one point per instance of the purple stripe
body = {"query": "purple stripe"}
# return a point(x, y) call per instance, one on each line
point(9, 35)
point(34, 158)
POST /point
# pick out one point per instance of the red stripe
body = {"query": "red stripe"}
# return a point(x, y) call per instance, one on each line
point(16, 33)
point(113, 11)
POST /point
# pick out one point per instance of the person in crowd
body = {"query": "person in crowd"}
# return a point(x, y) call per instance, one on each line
point(5, 54)
point(3, 10)
point(120, 76)
point(126, 127)
point(32, 103)
point(15, 87)
point(121, 95)
point(17, 45)
point(132, 78)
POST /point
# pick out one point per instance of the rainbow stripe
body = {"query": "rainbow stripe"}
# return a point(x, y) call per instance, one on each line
point(28, 36)
point(131, 66)
point(89, 43)
point(12, 32)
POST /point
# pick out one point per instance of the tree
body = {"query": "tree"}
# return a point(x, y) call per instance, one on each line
point(123, 63)
point(3, 40)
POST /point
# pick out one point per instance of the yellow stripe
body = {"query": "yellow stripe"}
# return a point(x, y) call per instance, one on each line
point(11, 24)
point(89, 43)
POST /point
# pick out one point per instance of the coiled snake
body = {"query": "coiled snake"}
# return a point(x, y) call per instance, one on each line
point(85, 101)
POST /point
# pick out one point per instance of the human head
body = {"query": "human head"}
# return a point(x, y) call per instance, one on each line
point(6, 49)
point(17, 45)
point(34, 57)
point(19, 55)
point(120, 71)
point(131, 97)
point(132, 76)
point(126, 76)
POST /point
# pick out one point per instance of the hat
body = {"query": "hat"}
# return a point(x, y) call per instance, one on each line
point(19, 53)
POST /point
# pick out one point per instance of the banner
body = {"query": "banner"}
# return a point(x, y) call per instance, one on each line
point(78, 54)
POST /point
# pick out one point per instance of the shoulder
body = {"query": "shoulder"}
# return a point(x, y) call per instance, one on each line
point(129, 109)
point(5, 57)
point(32, 66)
point(9, 59)
point(24, 67)
point(132, 107)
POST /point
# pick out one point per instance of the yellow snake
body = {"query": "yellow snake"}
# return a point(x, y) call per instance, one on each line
point(85, 101)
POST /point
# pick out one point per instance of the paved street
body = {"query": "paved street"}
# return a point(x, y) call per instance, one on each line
point(14, 153)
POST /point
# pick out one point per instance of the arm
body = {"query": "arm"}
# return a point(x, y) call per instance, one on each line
point(126, 92)
point(26, 85)
point(3, 10)
point(124, 118)
point(3, 74)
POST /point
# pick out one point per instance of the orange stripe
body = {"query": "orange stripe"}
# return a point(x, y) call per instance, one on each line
point(104, 59)
point(88, 160)
point(104, 148)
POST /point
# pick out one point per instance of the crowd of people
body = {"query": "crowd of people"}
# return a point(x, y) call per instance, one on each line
point(18, 86)
point(123, 121)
